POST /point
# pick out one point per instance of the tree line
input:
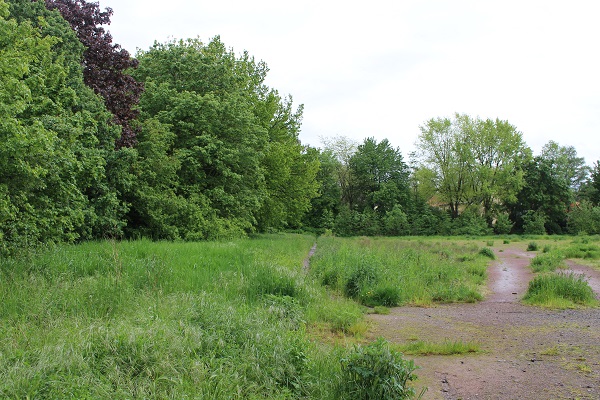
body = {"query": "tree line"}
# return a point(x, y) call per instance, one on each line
point(186, 141)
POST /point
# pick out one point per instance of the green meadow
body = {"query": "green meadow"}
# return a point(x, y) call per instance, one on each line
point(216, 320)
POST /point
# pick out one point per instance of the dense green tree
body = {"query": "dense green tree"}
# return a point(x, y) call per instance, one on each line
point(499, 153)
point(379, 177)
point(565, 164)
point(591, 188)
point(237, 159)
point(584, 218)
point(326, 205)
point(53, 178)
point(290, 169)
point(543, 193)
point(445, 153)
point(342, 148)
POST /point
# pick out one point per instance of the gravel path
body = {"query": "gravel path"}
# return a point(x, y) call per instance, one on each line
point(528, 352)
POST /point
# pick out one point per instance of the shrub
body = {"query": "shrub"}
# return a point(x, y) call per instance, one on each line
point(532, 246)
point(487, 252)
point(533, 223)
point(503, 225)
point(387, 295)
point(376, 371)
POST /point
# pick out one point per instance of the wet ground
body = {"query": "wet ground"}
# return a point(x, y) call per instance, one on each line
point(527, 352)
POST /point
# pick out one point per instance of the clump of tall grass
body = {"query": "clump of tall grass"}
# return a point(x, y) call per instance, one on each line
point(547, 262)
point(560, 291)
point(532, 246)
point(586, 251)
point(487, 252)
point(390, 272)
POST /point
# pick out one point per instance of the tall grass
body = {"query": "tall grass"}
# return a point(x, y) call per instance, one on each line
point(390, 272)
point(139, 319)
point(560, 291)
point(548, 262)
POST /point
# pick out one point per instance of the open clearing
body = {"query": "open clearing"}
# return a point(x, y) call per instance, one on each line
point(527, 352)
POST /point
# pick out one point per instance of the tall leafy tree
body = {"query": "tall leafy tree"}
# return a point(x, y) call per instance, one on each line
point(470, 161)
point(234, 148)
point(105, 63)
point(379, 177)
point(48, 159)
point(543, 194)
point(326, 205)
point(499, 153)
point(595, 183)
point(445, 151)
point(565, 164)
point(290, 170)
point(342, 148)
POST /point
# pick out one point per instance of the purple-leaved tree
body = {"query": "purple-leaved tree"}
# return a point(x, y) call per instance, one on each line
point(104, 63)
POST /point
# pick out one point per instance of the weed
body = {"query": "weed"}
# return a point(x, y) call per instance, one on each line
point(487, 252)
point(550, 351)
point(376, 371)
point(532, 246)
point(391, 272)
point(168, 320)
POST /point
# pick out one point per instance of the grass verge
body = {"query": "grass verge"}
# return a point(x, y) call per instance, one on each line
point(560, 291)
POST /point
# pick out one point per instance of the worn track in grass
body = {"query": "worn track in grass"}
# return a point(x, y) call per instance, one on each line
point(527, 353)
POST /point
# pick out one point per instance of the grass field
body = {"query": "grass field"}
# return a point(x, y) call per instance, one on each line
point(167, 320)
point(214, 320)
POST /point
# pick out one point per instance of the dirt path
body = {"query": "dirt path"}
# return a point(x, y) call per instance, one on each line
point(528, 352)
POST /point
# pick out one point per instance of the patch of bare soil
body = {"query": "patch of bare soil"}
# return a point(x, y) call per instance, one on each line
point(527, 352)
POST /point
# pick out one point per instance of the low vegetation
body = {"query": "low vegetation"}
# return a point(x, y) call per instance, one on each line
point(168, 320)
point(547, 262)
point(560, 291)
point(390, 272)
point(446, 348)
point(377, 371)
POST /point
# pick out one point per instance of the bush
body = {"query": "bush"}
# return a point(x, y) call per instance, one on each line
point(487, 252)
point(534, 223)
point(470, 223)
point(503, 224)
point(532, 246)
point(387, 295)
point(378, 372)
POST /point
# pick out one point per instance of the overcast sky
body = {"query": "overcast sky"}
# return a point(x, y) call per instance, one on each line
point(385, 67)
